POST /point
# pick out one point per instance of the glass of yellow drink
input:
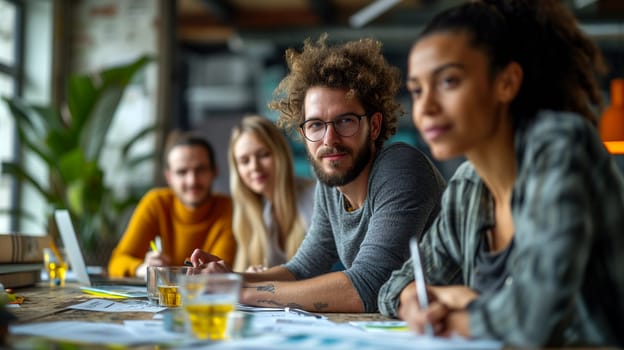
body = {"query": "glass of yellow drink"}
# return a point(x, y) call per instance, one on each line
point(56, 270)
point(207, 300)
point(168, 284)
point(152, 285)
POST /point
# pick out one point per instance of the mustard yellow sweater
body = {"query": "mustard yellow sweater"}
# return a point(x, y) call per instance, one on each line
point(161, 213)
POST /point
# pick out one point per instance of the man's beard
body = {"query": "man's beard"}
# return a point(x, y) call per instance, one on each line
point(361, 159)
point(196, 201)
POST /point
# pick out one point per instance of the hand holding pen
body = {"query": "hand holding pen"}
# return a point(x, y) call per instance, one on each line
point(410, 310)
point(155, 256)
point(433, 310)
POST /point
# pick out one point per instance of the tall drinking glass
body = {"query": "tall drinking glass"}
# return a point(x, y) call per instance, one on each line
point(207, 300)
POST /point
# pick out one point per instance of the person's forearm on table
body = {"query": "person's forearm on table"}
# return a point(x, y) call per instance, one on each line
point(332, 292)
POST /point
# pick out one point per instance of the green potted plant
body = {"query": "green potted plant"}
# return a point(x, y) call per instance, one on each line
point(69, 141)
point(5, 316)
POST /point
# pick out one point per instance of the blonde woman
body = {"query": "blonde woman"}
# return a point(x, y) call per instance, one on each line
point(272, 208)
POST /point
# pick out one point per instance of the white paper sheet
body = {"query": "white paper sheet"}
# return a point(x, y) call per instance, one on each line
point(105, 305)
point(303, 333)
point(349, 341)
point(101, 333)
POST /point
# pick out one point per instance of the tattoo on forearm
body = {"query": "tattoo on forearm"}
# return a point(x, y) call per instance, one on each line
point(320, 306)
point(294, 306)
point(270, 288)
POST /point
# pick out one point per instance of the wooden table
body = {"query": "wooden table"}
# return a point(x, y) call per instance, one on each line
point(46, 304)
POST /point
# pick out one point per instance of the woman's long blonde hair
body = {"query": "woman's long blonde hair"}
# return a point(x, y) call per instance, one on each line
point(249, 228)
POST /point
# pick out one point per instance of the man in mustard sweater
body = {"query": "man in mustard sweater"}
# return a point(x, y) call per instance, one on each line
point(185, 216)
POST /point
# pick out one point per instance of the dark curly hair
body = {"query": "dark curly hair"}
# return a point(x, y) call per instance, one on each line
point(357, 66)
point(560, 63)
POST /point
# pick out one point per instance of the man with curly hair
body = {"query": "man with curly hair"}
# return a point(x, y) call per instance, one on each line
point(370, 199)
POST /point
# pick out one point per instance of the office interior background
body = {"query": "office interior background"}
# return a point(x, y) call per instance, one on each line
point(214, 61)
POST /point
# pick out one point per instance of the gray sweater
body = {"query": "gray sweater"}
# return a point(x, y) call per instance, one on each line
point(404, 190)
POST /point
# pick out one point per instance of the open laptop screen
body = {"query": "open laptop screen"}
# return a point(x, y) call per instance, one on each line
point(106, 287)
point(72, 248)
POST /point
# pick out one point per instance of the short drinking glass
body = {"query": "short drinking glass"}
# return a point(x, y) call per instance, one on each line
point(168, 284)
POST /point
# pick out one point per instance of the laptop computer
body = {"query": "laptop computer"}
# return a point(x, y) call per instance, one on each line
point(121, 288)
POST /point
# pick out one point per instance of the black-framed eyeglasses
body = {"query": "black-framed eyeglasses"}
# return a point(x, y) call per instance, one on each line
point(345, 125)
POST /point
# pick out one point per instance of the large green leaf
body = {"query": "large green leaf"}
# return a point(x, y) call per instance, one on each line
point(135, 161)
point(96, 128)
point(72, 165)
point(97, 190)
point(59, 138)
point(81, 97)
point(111, 86)
point(123, 74)
point(25, 122)
point(75, 195)
point(51, 118)
point(60, 142)
point(37, 146)
point(31, 127)
point(20, 113)
point(84, 199)
point(18, 172)
point(125, 150)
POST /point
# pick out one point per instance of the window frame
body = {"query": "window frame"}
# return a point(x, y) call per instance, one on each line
point(15, 72)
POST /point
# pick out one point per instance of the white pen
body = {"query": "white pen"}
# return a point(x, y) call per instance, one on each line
point(419, 278)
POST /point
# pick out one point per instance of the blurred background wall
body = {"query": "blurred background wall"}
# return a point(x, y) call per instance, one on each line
point(213, 62)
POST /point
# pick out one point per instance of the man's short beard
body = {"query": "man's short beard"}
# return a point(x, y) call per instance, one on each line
point(361, 159)
point(198, 202)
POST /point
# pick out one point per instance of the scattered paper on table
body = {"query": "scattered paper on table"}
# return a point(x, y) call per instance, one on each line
point(350, 341)
point(100, 333)
point(270, 330)
point(129, 305)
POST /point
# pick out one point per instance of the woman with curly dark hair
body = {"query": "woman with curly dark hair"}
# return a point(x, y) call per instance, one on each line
point(370, 199)
point(528, 247)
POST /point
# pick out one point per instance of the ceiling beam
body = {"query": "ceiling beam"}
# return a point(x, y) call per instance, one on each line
point(221, 9)
point(324, 10)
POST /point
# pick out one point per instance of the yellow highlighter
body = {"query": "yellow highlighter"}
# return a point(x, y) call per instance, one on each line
point(153, 246)
point(57, 253)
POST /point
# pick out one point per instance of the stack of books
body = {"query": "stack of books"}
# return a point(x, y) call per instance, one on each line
point(21, 259)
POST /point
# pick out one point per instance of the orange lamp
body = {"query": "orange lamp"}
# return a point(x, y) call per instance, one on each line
point(612, 122)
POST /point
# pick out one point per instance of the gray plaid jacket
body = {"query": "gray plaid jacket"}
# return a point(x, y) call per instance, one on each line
point(566, 283)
